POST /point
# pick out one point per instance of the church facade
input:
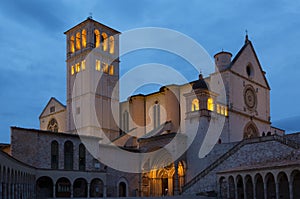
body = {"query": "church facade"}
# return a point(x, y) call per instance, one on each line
point(248, 159)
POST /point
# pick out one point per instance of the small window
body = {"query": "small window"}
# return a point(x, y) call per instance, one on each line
point(97, 38)
point(195, 105)
point(54, 155)
point(111, 70)
point(105, 67)
point(97, 164)
point(78, 110)
point(81, 157)
point(72, 44)
point(249, 70)
point(98, 65)
point(111, 45)
point(72, 70)
point(210, 104)
point(52, 109)
point(83, 65)
point(77, 67)
point(78, 44)
point(104, 41)
point(83, 35)
point(218, 108)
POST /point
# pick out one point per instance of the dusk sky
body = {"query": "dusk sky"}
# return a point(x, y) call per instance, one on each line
point(33, 46)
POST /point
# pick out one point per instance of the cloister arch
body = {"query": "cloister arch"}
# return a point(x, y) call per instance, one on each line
point(271, 186)
point(44, 187)
point(283, 186)
point(259, 186)
point(80, 188)
point(96, 188)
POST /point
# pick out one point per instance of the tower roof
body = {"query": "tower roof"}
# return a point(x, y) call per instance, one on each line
point(90, 20)
point(200, 83)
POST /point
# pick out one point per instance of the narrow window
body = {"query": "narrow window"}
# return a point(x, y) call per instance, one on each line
point(156, 115)
point(83, 65)
point(195, 105)
point(125, 121)
point(98, 65)
point(105, 67)
point(104, 41)
point(72, 44)
point(218, 108)
point(97, 38)
point(83, 35)
point(226, 111)
point(68, 155)
point(111, 45)
point(72, 70)
point(54, 155)
point(77, 67)
point(78, 41)
point(210, 104)
point(111, 70)
point(52, 109)
point(81, 157)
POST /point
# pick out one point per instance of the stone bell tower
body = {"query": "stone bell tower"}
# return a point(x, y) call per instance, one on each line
point(92, 78)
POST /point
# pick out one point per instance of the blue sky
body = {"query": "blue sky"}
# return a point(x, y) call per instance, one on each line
point(33, 46)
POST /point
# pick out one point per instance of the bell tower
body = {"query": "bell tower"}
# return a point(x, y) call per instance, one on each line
point(92, 78)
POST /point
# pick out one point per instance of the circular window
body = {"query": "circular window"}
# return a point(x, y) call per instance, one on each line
point(250, 97)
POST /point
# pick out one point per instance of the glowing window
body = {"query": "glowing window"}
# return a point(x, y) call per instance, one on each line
point(111, 45)
point(222, 110)
point(97, 38)
point(77, 67)
point(111, 70)
point(226, 111)
point(83, 35)
point(72, 45)
point(218, 108)
point(98, 65)
point(72, 70)
point(210, 104)
point(83, 65)
point(104, 41)
point(78, 41)
point(195, 105)
point(105, 67)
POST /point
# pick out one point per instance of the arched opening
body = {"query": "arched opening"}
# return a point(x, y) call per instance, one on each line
point(249, 187)
point(210, 104)
point(81, 157)
point(63, 188)
point(181, 175)
point(271, 187)
point(195, 105)
point(72, 44)
point(78, 44)
point(259, 186)
point(240, 187)
point(122, 189)
point(250, 131)
point(283, 185)
point(111, 45)
point(54, 155)
point(96, 38)
point(83, 36)
point(156, 115)
point(111, 70)
point(96, 188)
point(223, 187)
point(104, 40)
point(52, 125)
point(44, 187)
point(231, 187)
point(296, 184)
point(80, 188)
point(68, 155)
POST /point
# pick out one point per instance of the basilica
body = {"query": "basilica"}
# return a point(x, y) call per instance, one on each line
point(183, 140)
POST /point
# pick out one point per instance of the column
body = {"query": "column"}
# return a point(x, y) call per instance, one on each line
point(71, 190)
point(291, 189)
point(235, 189)
point(176, 184)
point(265, 189)
point(277, 189)
point(254, 189)
point(104, 191)
point(88, 190)
point(54, 191)
point(228, 187)
point(245, 189)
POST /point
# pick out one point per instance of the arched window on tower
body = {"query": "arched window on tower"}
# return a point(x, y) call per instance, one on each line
point(68, 155)
point(81, 157)
point(83, 40)
point(96, 38)
point(72, 44)
point(54, 155)
point(52, 125)
point(78, 45)
point(156, 115)
point(111, 70)
point(210, 104)
point(104, 40)
point(195, 105)
point(111, 45)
